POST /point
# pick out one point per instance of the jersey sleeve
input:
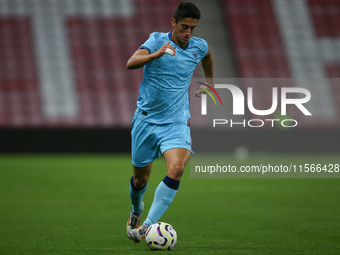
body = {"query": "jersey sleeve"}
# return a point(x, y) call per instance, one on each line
point(152, 44)
point(204, 48)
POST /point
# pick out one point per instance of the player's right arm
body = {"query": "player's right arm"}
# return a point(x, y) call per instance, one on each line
point(141, 57)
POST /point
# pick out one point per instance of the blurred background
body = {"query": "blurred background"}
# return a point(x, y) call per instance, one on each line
point(64, 86)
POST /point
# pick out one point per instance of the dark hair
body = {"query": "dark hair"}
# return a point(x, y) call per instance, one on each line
point(187, 10)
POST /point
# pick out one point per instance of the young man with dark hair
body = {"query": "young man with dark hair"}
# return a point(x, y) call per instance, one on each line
point(160, 124)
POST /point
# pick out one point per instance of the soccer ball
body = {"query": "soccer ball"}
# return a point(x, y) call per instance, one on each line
point(161, 236)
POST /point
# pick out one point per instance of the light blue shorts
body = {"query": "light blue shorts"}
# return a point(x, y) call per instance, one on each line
point(150, 140)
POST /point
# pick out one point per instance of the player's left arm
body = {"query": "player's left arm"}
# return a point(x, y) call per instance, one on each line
point(208, 68)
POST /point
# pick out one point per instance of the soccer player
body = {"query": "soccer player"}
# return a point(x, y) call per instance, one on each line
point(160, 123)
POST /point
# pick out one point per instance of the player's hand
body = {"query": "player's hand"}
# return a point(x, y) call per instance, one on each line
point(198, 92)
point(161, 51)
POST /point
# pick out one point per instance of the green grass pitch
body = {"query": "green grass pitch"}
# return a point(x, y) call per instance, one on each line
point(79, 204)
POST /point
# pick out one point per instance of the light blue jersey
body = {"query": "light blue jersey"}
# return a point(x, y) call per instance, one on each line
point(163, 94)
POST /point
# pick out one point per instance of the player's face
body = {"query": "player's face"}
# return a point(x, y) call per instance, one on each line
point(182, 30)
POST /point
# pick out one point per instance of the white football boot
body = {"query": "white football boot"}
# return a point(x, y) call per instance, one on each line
point(138, 234)
point(133, 222)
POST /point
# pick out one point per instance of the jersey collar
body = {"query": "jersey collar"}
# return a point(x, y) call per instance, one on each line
point(170, 38)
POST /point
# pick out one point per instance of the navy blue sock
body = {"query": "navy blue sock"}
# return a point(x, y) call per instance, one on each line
point(171, 183)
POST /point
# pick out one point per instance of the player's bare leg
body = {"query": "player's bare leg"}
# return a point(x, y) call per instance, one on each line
point(176, 160)
point(141, 175)
point(138, 186)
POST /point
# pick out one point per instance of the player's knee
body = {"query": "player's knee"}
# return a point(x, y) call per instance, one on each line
point(140, 181)
point(176, 171)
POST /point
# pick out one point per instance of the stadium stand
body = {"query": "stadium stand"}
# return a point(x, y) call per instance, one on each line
point(63, 61)
point(289, 39)
point(34, 80)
